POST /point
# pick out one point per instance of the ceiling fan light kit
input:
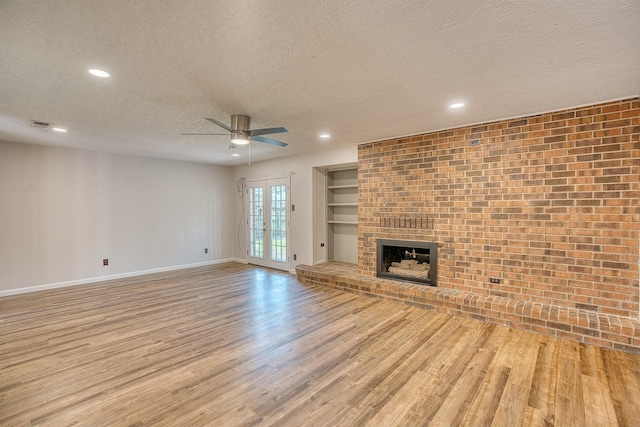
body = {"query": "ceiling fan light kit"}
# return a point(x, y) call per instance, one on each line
point(239, 138)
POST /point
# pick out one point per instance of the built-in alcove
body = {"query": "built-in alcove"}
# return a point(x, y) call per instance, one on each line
point(336, 213)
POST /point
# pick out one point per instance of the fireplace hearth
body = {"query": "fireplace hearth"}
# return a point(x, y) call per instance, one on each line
point(406, 260)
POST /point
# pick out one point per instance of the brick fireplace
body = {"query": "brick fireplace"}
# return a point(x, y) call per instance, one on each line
point(536, 220)
point(546, 205)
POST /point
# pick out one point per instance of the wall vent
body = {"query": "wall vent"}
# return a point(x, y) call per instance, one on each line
point(39, 125)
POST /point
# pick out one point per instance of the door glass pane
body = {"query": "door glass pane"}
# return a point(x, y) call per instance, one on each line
point(256, 222)
point(278, 223)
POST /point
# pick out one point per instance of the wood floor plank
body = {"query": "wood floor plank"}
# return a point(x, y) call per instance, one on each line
point(623, 377)
point(484, 406)
point(569, 393)
point(543, 385)
point(236, 345)
point(441, 378)
point(598, 405)
point(513, 403)
point(458, 402)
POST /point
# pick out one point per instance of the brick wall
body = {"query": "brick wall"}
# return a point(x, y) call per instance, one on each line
point(549, 204)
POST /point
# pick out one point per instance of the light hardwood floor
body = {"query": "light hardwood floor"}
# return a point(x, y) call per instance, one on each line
point(235, 345)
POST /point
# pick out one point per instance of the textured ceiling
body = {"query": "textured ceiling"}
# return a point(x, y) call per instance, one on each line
point(361, 70)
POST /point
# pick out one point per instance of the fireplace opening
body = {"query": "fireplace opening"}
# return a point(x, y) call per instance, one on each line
point(405, 260)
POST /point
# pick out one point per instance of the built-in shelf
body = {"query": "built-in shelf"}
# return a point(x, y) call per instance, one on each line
point(336, 187)
point(342, 214)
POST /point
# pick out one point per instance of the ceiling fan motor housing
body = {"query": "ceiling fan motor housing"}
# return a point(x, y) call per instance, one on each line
point(240, 122)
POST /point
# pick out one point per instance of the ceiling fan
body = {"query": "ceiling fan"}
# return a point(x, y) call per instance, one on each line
point(241, 134)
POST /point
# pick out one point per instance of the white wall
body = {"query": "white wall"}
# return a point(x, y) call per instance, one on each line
point(302, 190)
point(63, 210)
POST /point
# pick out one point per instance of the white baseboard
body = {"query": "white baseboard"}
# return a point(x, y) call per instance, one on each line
point(115, 276)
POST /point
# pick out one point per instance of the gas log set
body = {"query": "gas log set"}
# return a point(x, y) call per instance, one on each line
point(406, 260)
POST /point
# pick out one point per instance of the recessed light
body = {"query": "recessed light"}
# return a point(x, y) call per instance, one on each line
point(325, 135)
point(99, 73)
point(59, 129)
point(235, 155)
point(456, 105)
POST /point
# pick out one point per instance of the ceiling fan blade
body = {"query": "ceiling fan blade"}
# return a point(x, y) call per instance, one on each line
point(222, 125)
point(265, 131)
point(226, 134)
point(268, 141)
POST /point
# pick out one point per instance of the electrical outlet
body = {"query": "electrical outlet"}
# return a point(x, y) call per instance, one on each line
point(494, 280)
point(293, 208)
point(206, 250)
point(295, 257)
point(105, 261)
point(322, 245)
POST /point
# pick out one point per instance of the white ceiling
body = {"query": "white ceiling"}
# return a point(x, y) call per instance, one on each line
point(361, 70)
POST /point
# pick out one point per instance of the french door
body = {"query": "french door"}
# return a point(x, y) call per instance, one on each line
point(268, 223)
